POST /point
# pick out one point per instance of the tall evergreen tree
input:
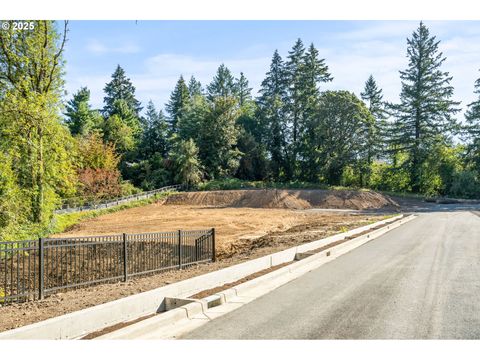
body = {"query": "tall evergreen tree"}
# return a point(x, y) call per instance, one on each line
point(425, 113)
point(294, 67)
point(194, 87)
point(188, 169)
point(377, 131)
point(271, 113)
point(223, 84)
point(120, 88)
point(178, 100)
point(242, 90)
point(155, 136)
point(314, 71)
point(472, 117)
point(80, 118)
point(218, 137)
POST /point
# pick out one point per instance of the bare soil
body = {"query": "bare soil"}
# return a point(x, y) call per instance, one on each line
point(285, 199)
point(242, 234)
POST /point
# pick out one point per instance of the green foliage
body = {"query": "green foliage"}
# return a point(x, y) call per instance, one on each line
point(80, 118)
point(190, 123)
point(222, 85)
point(11, 209)
point(178, 100)
point(340, 134)
point(31, 86)
point(472, 127)
point(218, 136)
point(187, 166)
point(425, 112)
point(242, 91)
point(194, 87)
point(253, 164)
point(466, 184)
point(389, 178)
point(272, 128)
point(155, 135)
point(120, 88)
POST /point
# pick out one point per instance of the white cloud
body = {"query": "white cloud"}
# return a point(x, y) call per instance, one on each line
point(377, 48)
point(95, 46)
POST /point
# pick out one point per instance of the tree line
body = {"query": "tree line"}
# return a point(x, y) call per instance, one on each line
point(292, 131)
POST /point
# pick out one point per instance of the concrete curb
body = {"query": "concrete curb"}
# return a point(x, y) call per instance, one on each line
point(252, 289)
point(80, 323)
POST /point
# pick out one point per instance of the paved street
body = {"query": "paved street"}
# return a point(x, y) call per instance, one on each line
point(420, 281)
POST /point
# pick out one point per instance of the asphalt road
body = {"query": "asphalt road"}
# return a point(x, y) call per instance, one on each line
point(420, 281)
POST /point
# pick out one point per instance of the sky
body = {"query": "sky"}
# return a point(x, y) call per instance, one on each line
point(155, 53)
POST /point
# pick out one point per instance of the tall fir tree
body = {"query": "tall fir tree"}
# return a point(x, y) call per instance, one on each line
point(472, 127)
point(178, 101)
point(313, 73)
point(80, 118)
point(377, 131)
point(218, 137)
point(294, 66)
point(155, 135)
point(120, 88)
point(242, 90)
point(426, 111)
point(194, 87)
point(222, 85)
point(271, 113)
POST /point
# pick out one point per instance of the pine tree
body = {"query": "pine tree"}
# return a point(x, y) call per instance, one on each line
point(120, 88)
point(222, 85)
point(314, 71)
point(218, 137)
point(155, 136)
point(242, 91)
point(178, 100)
point(271, 113)
point(194, 87)
point(425, 113)
point(378, 131)
point(187, 165)
point(80, 118)
point(472, 128)
point(294, 67)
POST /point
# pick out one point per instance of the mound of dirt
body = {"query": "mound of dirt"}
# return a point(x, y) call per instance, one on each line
point(285, 199)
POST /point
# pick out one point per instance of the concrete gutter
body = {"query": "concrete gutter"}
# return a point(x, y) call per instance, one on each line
point(198, 313)
point(82, 322)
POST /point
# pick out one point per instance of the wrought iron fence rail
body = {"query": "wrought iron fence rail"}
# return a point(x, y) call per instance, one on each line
point(30, 269)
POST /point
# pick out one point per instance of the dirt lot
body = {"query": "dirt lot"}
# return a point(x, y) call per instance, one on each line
point(242, 234)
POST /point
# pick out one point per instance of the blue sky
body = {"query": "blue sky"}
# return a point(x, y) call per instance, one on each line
point(155, 53)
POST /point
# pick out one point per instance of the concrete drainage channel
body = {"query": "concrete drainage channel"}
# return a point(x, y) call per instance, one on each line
point(169, 311)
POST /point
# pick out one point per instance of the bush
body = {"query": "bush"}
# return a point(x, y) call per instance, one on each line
point(386, 177)
point(466, 184)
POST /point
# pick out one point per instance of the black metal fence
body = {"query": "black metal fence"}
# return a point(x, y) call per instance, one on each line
point(31, 269)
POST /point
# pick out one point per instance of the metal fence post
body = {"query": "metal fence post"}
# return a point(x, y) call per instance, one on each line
point(125, 257)
point(214, 254)
point(41, 270)
point(179, 249)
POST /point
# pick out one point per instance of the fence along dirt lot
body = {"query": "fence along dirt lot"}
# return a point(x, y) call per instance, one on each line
point(242, 233)
point(241, 217)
